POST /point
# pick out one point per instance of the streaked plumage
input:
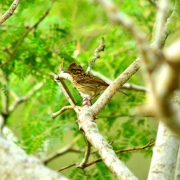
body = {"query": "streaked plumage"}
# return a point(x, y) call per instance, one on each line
point(86, 83)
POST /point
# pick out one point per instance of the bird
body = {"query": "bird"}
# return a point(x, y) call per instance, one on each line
point(86, 83)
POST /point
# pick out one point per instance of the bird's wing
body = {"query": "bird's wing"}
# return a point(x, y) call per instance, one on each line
point(88, 79)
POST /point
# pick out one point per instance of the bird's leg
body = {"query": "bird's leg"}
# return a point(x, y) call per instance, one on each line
point(86, 101)
point(94, 96)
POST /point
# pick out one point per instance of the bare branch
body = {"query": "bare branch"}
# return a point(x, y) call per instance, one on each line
point(167, 27)
point(150, 144)
point(165, 80)
point(134, 87)
point(167, 111)
point(86, 156)
point(91, 131)
point(66, 167)
point(161, 17)
point(162, 160)
point(65, 108)
point(10, 11)
point(58, 79)
point(101, 47)
point(26, 166)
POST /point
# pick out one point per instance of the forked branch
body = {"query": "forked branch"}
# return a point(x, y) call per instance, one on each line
point(101, 47)
point(150, 144)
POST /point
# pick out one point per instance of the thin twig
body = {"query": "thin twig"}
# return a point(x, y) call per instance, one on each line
point(65, 108)
point(168, 24)
point(111, 143)
point(65, 91)
point(117, 152)
point(161, 18)
point(86, 156)
point(23, 37)
point(134, 87)
point(10, 11)
point(66, 167)
point(101, 47)
point(122, 151)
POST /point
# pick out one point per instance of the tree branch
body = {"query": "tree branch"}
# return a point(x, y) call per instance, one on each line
point(22, 165)
point(86, 123)
point(161, 17)
point(164, 154)
point(58, 79)
point(150, 144)
point(62, 110)
point(167, 27)
point(10, 11)
point(86, 156)
point(101, 47)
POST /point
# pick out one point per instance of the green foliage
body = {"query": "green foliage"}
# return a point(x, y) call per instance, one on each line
point(33, 55)
point(100, 171)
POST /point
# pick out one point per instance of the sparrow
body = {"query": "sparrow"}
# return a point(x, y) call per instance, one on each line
point(86, 83)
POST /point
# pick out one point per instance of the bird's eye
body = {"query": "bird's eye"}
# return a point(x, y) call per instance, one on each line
point(73, 70)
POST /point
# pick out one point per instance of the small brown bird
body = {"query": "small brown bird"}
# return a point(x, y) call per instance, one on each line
point(86, 83)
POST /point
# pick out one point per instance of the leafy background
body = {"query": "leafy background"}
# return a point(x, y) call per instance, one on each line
point(41, 53)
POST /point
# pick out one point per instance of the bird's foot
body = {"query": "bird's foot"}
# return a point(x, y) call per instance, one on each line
point(86, 102)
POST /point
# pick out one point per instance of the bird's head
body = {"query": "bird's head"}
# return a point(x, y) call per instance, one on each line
point(75, 69)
